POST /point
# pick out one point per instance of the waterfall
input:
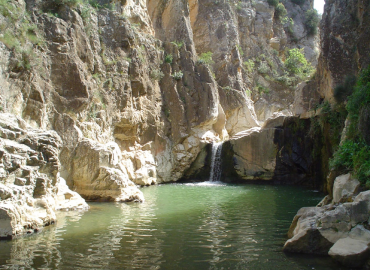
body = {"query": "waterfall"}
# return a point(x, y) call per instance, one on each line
point(215, 174)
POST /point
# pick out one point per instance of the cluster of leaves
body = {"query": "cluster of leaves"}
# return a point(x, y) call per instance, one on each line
point(206, 59)
point(273, 3)
point(354, 153)
point(249, 64)
point(156, 74)
point(312, 20)
point(168, 58)
point(263, 68)
point(280, 11)
point(177, 75)
point(178, 44)
point(353, 156)
point(297, 64)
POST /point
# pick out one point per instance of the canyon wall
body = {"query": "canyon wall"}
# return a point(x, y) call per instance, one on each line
point(132, 91)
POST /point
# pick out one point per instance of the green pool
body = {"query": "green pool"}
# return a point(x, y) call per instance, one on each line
point(180, 226)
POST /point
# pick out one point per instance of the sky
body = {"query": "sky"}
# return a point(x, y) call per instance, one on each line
point(319, 5)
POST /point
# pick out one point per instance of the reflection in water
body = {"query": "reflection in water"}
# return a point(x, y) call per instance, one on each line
point(189, 226)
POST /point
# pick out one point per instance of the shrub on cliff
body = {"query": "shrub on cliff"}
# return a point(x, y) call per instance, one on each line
point(297, 64)
point(312, 20)
point(206, 58)
point(280, 11)
point(344, 90)
point(354, 153)
point(273, 3)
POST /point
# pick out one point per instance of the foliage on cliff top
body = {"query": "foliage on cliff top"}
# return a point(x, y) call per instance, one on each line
point(273, 3)
point(354, 153)
point(312, 20)
point(297, 64)
point(280, 11)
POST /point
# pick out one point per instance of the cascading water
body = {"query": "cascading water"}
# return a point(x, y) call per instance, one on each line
point(216, 168)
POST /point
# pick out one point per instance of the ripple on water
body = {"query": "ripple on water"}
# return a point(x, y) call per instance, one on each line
point(208, 225)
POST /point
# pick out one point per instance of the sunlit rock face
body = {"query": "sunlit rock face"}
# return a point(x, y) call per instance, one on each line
point(241, 33)
point(123, 87)
point(31, 189)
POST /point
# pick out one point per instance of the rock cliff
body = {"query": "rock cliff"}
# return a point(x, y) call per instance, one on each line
point(339, 225)
point(134, 90)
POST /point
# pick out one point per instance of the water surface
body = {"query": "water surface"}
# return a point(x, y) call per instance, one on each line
point(179, 226)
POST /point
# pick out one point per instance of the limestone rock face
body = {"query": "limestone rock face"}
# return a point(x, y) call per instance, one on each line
point(121, 96)
point(245, 33)
point(334, 229)
point(255, 154)
point(31, 189)
point(343, 35)
point(98, 174)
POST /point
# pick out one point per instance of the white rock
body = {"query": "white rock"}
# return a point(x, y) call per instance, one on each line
point(345, 187)
point(350, 252)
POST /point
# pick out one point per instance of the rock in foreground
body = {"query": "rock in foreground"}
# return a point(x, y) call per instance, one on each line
point(31, 189)
point(337, 229)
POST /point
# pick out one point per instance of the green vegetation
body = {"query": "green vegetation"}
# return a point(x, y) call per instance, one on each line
point(280, 11)
point(343, 91)
point(263, 68)
point(168, 58)
point(273, 3)
point(249, 64)
point(354, 153)
point(19, 34)
point(178, 44)
point(290, 27)
point(177, 75)
point(312, 21)
point(240, 50)
point(206, 59)
point(261, 89)
point(156, 74)
point(297, 64)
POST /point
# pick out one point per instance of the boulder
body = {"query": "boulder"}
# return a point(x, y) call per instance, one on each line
point(350, 252)
point(304, 233)
point(254, 154)
point(98, 173)
point(345, 187)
